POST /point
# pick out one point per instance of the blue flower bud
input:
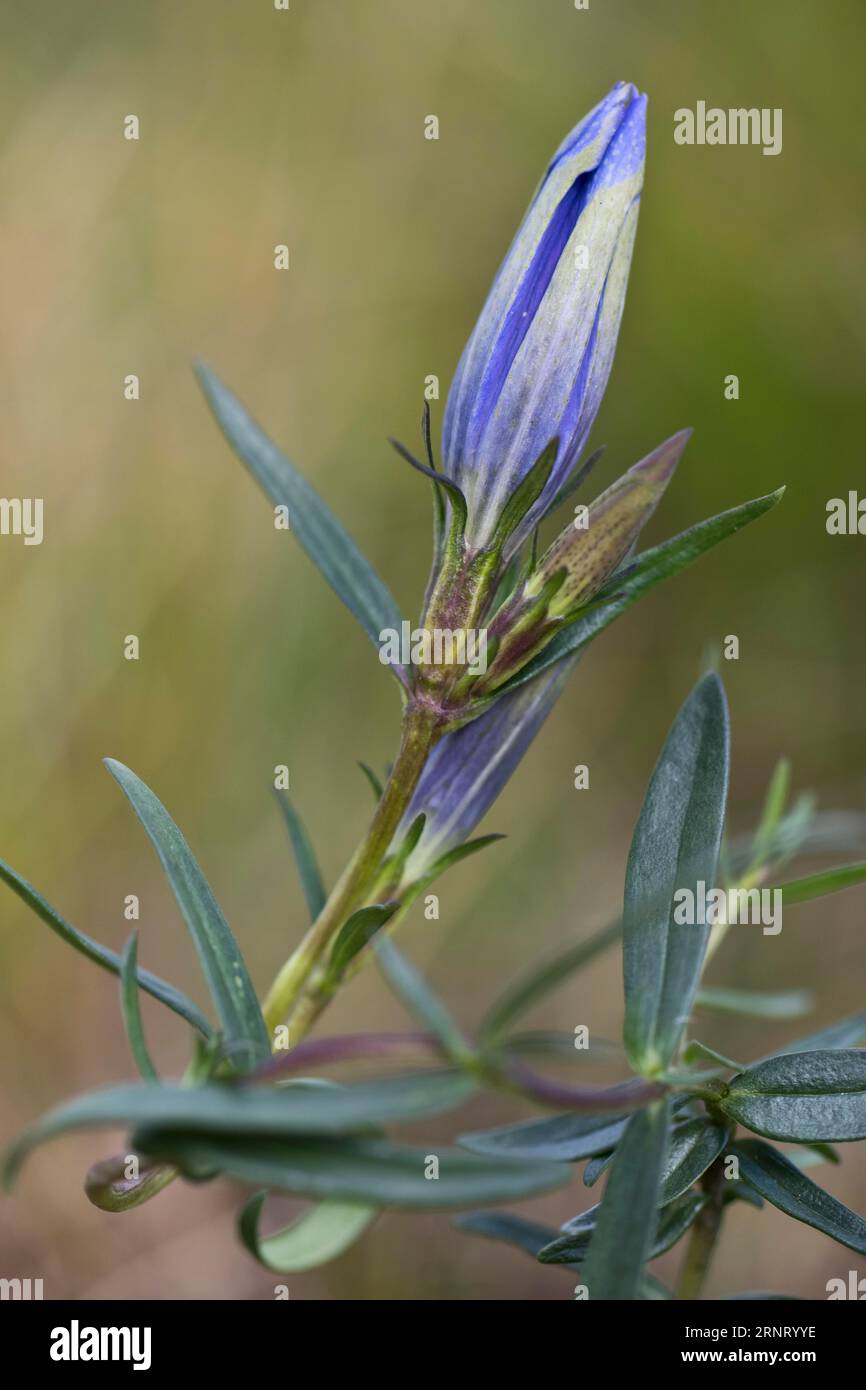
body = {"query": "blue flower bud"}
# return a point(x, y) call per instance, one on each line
point(538, 360)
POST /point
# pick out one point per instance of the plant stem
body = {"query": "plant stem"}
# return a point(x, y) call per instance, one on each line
point(704, 1233)
point(420, 731)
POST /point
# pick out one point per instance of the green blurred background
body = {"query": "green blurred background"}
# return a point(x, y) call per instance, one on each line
point(306, 127)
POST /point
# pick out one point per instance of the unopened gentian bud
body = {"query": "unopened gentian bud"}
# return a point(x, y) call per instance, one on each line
point(592, 547)
point(537, 362)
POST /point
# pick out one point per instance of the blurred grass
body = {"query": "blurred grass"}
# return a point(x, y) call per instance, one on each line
point(307, 128)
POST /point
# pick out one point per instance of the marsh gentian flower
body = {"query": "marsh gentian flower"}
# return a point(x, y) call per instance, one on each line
point(538, 360)
point(468, 769)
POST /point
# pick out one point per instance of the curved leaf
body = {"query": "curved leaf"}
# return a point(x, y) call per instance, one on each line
point(672, 1223)
point(108, 1187)
point(355, 934)
point(693, 1147)
point(305, 857)
point(564, 1138)
point(131, 1011)
point(235, 999)
point(319, 1235)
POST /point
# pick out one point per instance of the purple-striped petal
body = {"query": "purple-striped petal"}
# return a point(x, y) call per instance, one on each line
point(538, 360)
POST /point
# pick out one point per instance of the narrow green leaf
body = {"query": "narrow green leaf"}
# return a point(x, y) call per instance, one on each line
point(787, 1003)
point(454, 856)
point(412, 989)
point(328, 544)
point(783, 1184)
point(101, 955)
point(371, 777)
point(443, 485)
point(520, 997)
point(623, 1236)
point(636, 579)
point(596, 1168)
point(802, 1096)
point(305, 857)
point(825, 1153)
point(675, 849)
point(793, 835)
point(315, 1238)
point(525, 495)
point(370, 1171)
point(699, 1052)
point(511, 1230)
point(774, 809)
point(627, 1218)
point(672, 1222)
point(131, 1011)
point(248, 1110)
point(355, 934)
point(563, 1138)
point(224, 969)
point(802, 890)
point(848, 1032)
point(693, 1147)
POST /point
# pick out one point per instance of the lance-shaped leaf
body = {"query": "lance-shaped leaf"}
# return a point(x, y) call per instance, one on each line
point(637, 578)
point(564, 1138)
point(235, 999)
point(802, 1096)
point(627, 1220)
point(771, 816)
point(101, 955)
point(783, 1184)
point(319, 1235)
point(410, 986)
point(132, 1013)
point(371, 1171)
point(354, 935)
point(787, 1003)
point(672, 1222)
point(847, 1032)
point(305, 857)
point(675, 849)
point(530, 1236)
point(222, 1109)
point(328, 544)
point(539, 981)
point(693, 1147)
point(802, 890)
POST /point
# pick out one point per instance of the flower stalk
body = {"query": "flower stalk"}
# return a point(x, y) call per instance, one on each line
point(420, 732)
